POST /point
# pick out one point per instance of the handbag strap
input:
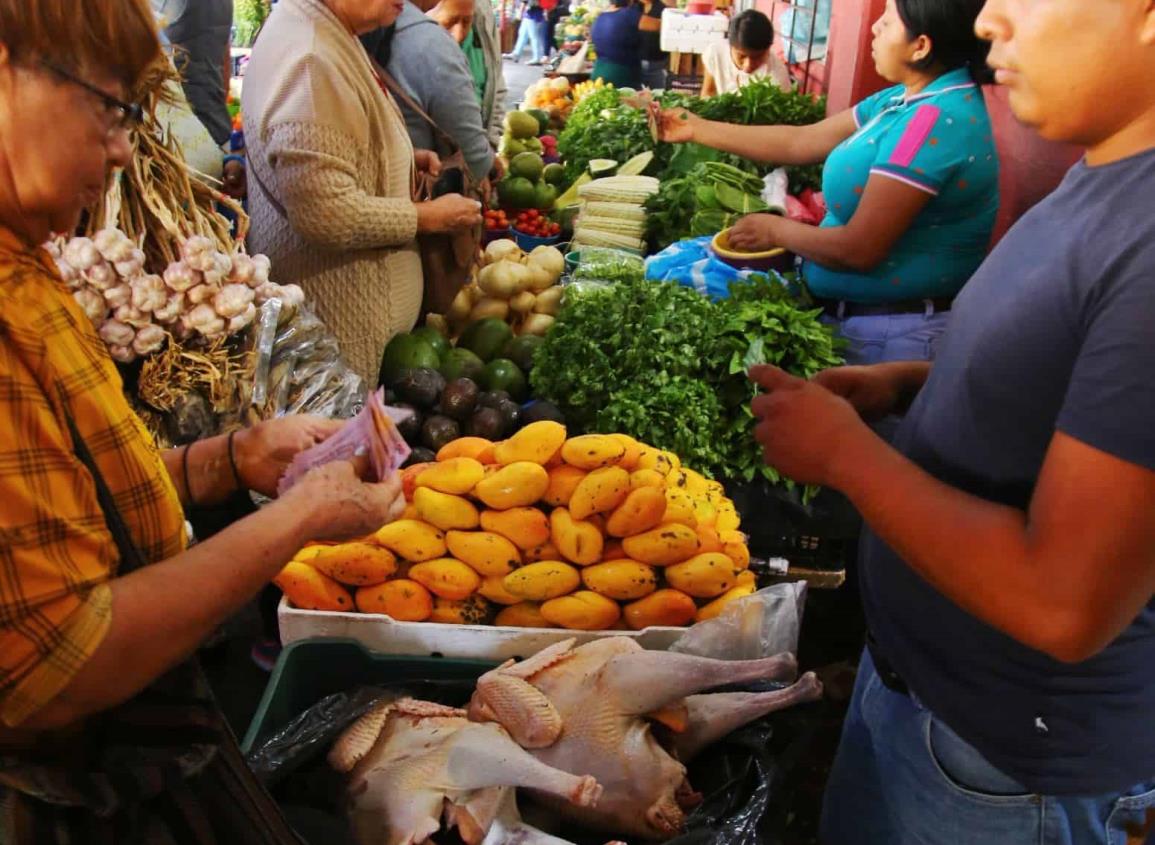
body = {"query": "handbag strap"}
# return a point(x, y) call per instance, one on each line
point(400, 93)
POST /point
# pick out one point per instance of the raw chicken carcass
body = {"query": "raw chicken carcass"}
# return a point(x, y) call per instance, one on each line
point(414, 763)
point(588, 709)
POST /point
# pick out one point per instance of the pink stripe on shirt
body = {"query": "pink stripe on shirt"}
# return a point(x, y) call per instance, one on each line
point(917, 131)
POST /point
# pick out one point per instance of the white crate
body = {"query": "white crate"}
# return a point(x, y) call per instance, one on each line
point(480, 642)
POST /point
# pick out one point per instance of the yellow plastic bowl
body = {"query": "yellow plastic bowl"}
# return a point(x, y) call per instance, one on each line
point(721, 247)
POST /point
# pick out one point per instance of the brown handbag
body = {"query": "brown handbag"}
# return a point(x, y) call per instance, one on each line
point(447, 258)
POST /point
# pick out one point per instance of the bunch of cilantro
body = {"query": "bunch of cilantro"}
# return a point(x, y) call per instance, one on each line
point(662, 363)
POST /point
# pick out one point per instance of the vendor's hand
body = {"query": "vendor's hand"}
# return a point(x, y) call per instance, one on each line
point(803, 428)
point(448, 213)
point(874, 391)
point(677, 126)
point(343, 507)
point(498, 172)
point(264, 452)
point(427, 161)
point(756, 232)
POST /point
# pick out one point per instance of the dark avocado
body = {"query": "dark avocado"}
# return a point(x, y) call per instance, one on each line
point(492, 398)
point(459, 398)
point(510, 415)
point(540, 411)
point(420, 455)
point(410, 427)
point(437, 431)
point(421, 386)
point(487, 423)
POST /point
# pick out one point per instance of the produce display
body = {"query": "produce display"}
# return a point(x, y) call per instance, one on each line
point(613, 211)
point(589, 532)
point(554, 97)
point(666, 365)
point(530, 183)
point(712, 197)
point(573, 724)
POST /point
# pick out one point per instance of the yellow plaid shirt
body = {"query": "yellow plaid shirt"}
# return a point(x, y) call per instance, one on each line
point(56, 553)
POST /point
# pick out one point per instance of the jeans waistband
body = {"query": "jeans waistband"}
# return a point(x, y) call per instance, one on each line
point(886, 672)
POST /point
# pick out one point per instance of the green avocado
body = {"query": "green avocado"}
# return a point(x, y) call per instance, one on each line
point(406, 352)
point(503, 374)
point(486, 338)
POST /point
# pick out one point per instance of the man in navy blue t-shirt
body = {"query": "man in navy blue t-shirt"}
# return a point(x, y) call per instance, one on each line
point(1007, 694)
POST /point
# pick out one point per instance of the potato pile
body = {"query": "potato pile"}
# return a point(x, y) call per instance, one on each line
point(595, 532)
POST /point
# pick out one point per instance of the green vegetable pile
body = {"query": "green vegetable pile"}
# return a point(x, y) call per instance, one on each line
point(665, 364)
point(600, 126)
point(712, 197)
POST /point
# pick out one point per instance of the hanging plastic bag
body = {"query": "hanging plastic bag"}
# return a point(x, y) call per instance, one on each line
point(756, 626)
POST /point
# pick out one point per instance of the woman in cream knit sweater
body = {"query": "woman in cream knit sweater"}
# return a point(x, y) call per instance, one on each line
point(333, 172)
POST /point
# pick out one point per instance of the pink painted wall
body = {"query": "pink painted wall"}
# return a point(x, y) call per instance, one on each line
point(850, 74)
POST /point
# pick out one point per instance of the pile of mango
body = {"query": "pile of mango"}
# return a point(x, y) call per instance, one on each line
point(595, 532)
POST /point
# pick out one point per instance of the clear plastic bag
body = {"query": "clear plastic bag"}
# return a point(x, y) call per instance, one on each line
point(607, 264)
point(760, 625)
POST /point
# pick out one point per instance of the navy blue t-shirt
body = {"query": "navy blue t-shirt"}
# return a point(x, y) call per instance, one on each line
point(1054, 332)
point(616, 37)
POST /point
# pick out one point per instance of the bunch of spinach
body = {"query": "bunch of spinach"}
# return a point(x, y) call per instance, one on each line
point(667, 365)
point(600, 126)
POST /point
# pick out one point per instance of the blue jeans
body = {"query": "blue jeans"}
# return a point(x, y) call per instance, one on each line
point(530, 32)
point(902, 777)
point(890, 337)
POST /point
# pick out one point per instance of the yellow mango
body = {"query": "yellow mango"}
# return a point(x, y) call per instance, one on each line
point(465, 447)
point(474, 610)
point(727, 520)
point(486, 552)
point(582, 611)
point(580, 542)
point(518, 485)
point(715, 608)
point(412, 539)
point(670, 542)
point(446, 577)
point(703, 576)
point(456, 476)
point(410, 512)
point(704, 511)
point(542, 581)
point(526, 528)
point(354, 564)
point(537, 443)
point(592, 451)
point(527, 614)
point(746, 577)
point(633, 451)
point(445, 511)
point(659, 461)
point(563, 481)
point(309, 589)
point(493, 588)
point(546, 551)
point(709, 540)
point(680, 508)
point(613, 550)
point(642, 510)
point(665, 608)
point(401, 599)
point(690, 481)
point(624, 580)
point(599, 492)
point(647, 478)
point(734, 546)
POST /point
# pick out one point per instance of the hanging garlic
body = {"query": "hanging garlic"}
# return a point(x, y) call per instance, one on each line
point(244, 269)
point(68, 273)
point(291, 296)
point(180, 277)
point(122, 354)
point(199, 253)
point(130, 315)
point(53, 248)
point(118, 296)
point(148, 339)
point(243, 319)
point(134, 266)
point(201, 293)
point(262, 267)
point(82, 253)
point(108, 241)
point(171, 310)
point(149, 293)
point(232, 300)
point(117, 333)
point(95, 308)
point(204, 320)
point(101, 276)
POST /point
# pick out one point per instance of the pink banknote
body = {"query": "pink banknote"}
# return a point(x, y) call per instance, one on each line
point(371, 435)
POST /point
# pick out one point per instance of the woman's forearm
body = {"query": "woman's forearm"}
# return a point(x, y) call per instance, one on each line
point(769, 144)
point(210, 478)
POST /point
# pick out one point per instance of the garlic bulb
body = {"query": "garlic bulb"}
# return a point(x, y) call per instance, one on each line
point(82, 254)
point(116, 333)
point(244, 269)
point(262, 267)
point(53, 249)
point(243, 319)
point(171, 310)
point(95, 308)
point(292, 295)
point(101, 276)
point(118, 296)
point(130, 315)
point(204, 320)
point(134, 266)
point(148, 339)
point(180, 277)
point(199, 253)
point(68, 273)
point(149, 293)
point(122, 354)
point(201, 293)
point(232, 300)
point(108, 242)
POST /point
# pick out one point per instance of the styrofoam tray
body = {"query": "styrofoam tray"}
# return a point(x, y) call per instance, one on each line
point(480, 642)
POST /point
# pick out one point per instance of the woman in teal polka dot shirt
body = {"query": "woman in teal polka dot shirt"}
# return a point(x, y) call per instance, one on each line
point(910, 182)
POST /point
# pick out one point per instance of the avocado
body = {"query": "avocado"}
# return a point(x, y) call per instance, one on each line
point(554, 174)
point(405, 352)
point(510, 415)
point(420, 455)
point(437, 431)
point(459, 398)
point(521, 349)
point(492, 398)
point(541, 410)
point(410, 427)
point(503, 374)
point(434, 338)
point(516, 192)
point(461, 363)
point(542, 119)
point(485, 338)
point(487, 423)
point(421, 386)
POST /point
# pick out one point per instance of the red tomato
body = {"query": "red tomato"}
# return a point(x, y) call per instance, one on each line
point(532, 214)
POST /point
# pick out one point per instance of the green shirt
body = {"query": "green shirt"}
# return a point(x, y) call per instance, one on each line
point(475, 58)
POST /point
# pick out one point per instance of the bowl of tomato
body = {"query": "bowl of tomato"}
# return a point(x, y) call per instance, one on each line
point(533, 228)
point(496, 225)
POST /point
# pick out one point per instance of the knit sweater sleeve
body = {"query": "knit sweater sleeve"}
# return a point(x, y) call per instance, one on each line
point(314, 174)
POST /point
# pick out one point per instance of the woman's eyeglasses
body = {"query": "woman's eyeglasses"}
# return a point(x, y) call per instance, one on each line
point(126, 116)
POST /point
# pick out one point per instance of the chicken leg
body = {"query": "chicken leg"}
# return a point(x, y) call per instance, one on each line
point(645, 681)
point(711, 717)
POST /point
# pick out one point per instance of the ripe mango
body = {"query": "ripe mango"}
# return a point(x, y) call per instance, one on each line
point(665, 607)
point(445, 511)
point(715, 608)
point(309, 589)
point(446, 577)
point(487, 553)
point(670, 542)
point(633, 451)
point(703, 576)
point(537, 443)
point(474, 610)
point(400, 599)
point(546, 551)
point(542, 581)
point(493, 588)
point(409, 478)
point(563, 481)
point(456, 476)
point(518, 485)
point(580, 542)
point(709, 540)
point(412, 539)
point(642, 510)
point(662, 462)
point(582, 611)
point(727, 519)
point(354, 564)
point(734, 546)
point(613, 550)
point(599, 492)
point(592, 451)
point(526, 528)
point(647, 478)
point(680, 508)
point(465, 447)
point(624, 580)
point(527, 614)
point(746, 577)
